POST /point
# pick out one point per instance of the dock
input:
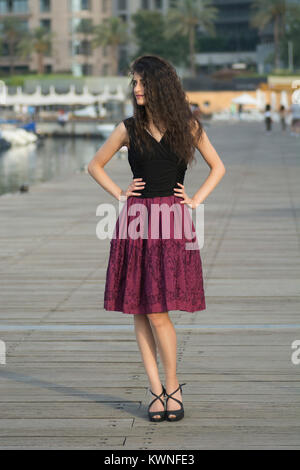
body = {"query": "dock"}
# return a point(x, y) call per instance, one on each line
point(72, 128)
point(73, 376)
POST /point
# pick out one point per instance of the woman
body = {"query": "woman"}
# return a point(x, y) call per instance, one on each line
point(148, 277)
point(268, 118)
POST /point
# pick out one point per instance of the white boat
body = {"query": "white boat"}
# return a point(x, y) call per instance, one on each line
point(90, 111)
point(18, 136)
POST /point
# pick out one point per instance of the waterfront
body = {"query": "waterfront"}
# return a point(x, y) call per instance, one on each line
point(43, 161)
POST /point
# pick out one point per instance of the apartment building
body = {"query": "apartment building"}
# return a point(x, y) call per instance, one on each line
point(235, 42)
point(69, 21)
point(235, 39)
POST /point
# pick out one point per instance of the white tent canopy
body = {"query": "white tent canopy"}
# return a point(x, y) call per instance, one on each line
point(284, 99)
point(71, 98)
point(261, 99)
point(244, 99)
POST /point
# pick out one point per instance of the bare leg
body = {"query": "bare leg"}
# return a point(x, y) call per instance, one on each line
point(165, 336)
point(147, 346)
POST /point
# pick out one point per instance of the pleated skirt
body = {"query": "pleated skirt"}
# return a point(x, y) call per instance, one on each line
point(151, 266)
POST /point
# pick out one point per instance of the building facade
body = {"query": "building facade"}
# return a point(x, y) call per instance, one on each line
point(235, 40)
point(69, 21)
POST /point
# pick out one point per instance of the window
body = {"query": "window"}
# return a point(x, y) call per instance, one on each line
point(123, 18)
point(3, 6)
point(158, 4)
point(85, 48)
point(145, 4)
point(20, 6)
point(87, 69)
point(79, 5)
point(45, 23)
point(122, 4)
point(45, 5)
point(80, 48)
point(14, 6)
point(105, 69)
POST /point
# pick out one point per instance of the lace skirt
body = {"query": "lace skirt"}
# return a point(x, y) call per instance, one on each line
point(154, 262)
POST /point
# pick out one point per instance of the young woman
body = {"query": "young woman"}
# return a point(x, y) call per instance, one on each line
point(147, 277)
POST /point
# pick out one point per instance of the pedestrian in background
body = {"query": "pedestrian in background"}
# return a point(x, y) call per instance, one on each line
point(295, 124)
point(268, 118)
point(282, 114)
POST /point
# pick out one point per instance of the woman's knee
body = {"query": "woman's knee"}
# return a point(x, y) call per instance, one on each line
point(158, 319)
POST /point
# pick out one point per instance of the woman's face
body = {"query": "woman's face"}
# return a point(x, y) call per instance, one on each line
point(138, 89)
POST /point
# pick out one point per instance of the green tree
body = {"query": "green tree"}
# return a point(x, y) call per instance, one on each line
point(112, 32)
point(149, 35)
point(272, 12)
point(148, 32)
point(11, 31)
point(185, 16)
point(37, 42)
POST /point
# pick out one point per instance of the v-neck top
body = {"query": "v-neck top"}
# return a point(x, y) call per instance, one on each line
point(159, 167)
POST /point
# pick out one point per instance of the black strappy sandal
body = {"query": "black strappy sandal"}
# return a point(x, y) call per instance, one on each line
point(179, 414)
point(161, 414)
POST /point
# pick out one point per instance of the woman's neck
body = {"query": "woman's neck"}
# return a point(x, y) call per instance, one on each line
point(149, 119)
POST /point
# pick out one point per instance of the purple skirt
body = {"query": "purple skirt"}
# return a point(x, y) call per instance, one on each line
point(154, 272)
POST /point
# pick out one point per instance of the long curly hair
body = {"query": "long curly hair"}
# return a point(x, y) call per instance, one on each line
point(168, 105)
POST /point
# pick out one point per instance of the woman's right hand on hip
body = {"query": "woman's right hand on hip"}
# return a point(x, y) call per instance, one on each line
point(136, 185)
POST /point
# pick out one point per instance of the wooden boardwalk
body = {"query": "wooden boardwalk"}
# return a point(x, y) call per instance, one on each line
point(73, 377)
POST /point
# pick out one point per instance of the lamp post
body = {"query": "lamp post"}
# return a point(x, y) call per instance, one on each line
point(291, 55)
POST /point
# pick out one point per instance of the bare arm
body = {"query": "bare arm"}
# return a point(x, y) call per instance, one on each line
point(216, 165)
point(115, 141)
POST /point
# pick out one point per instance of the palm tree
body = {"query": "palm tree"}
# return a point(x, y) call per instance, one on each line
point(112, 32)
point(11, 33)
point(39, 42)
point(183, 19)
point(272, 12)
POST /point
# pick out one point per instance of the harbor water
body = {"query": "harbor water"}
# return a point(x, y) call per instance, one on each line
point(44, 160)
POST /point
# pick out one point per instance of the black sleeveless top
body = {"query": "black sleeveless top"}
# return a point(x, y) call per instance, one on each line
point(158, 167)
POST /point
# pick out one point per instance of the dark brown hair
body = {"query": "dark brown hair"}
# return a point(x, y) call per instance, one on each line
point(168, 106)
